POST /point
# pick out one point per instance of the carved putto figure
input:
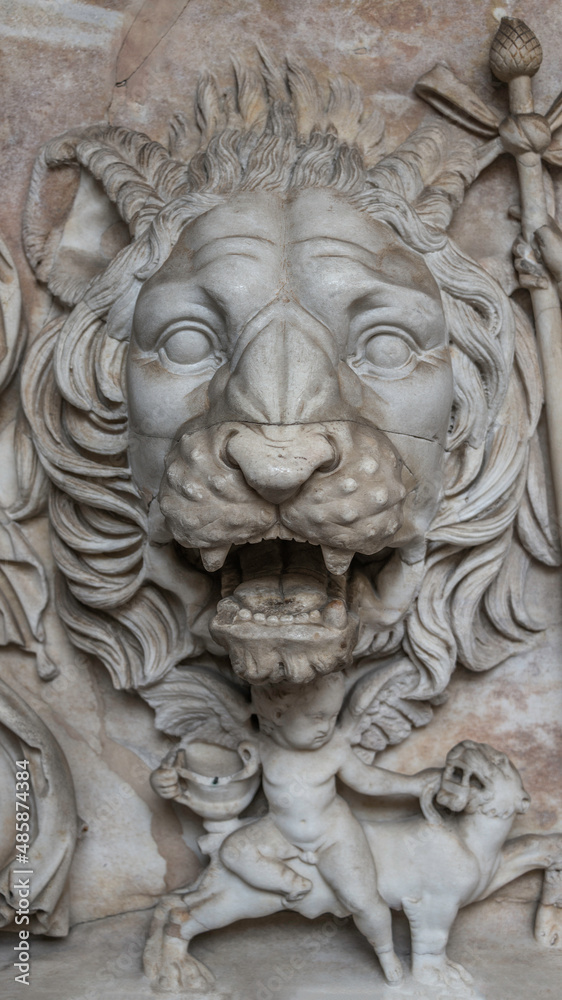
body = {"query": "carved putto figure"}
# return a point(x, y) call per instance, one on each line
point(302, 751)
point(309, 852)
point(288, 434)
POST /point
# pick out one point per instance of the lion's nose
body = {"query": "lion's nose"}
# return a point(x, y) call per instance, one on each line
point(454, 797)
point(277, 460)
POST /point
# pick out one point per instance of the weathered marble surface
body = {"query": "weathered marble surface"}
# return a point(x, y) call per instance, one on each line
point(290, 958)
point(61, 64)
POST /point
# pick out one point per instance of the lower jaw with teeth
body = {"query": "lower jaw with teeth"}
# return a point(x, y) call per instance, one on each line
point(282, 615)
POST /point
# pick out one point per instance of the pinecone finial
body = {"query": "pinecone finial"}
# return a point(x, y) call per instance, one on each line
point(515, 51)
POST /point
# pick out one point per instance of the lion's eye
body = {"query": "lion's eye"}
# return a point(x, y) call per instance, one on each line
point(476, 783)
point(187, 345)
point(387, 351)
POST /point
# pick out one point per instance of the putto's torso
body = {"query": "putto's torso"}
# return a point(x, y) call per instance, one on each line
point(300, 786)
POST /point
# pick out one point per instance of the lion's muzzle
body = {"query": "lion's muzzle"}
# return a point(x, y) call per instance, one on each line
point(338, 485)
point(292, 504)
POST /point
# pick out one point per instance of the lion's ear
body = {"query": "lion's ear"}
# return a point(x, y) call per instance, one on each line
point(91, 190)
point(71, 230)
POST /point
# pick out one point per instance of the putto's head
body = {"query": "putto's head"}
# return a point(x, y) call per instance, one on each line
point(300, 717)
point(290, 411)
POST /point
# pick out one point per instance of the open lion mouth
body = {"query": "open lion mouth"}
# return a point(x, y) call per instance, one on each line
point(303, 575)
point(283, 614)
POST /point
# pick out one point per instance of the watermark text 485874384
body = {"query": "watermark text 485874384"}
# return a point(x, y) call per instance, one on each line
point(21, 885)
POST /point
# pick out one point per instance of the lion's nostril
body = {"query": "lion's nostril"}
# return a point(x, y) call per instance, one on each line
point(225, 451)
point(276, 460)
point(331, 463)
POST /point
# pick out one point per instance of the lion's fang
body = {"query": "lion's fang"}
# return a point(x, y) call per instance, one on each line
point(213, 559)
point(337, 560)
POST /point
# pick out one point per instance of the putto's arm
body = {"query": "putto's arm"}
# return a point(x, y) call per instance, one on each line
point(371, 780)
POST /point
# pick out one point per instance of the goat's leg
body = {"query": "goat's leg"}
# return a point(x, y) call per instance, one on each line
point(220, 899)
point(522, 855)
point(431, 919)
point(526, 854)
point(548, 921)
point(166, 960)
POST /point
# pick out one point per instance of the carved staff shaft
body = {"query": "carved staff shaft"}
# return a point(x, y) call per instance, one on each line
point(515, 57)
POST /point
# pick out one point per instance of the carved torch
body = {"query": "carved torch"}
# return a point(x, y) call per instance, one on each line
point(515, 57)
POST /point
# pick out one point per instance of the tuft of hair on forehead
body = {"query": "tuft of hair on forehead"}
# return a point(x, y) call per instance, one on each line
point(278, 127)
point(309, 105)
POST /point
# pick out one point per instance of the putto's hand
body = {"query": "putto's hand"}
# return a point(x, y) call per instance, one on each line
point(549, 241)
point(532, 262)
point(429, 780)
point(165, 781)
point(532, 273)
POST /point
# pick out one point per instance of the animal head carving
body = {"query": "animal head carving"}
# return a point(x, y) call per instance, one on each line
point(478, 778)
point(290, 420)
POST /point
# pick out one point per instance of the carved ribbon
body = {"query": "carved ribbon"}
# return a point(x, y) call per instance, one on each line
point(515, 134)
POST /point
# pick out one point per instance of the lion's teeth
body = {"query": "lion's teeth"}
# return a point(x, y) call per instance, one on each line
point(228, 607)
point(214, 558)
point(337, 560)
point(335, 614)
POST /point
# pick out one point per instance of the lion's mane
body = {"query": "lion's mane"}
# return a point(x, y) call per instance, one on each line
point(278, 131)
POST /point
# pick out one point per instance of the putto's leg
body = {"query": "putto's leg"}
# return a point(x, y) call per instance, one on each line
point(355, 884)
point(257, 854)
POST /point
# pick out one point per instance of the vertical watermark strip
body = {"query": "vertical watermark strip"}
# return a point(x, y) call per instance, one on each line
point(21, 885)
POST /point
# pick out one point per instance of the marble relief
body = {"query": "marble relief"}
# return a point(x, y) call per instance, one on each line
point(286, 434)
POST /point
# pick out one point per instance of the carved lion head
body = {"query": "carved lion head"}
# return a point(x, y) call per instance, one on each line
point(290, 420)
point(479, 779)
